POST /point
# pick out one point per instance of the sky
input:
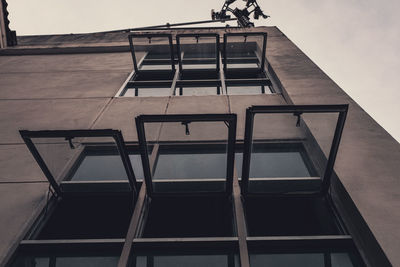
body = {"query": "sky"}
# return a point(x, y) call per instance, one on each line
point(357, 43)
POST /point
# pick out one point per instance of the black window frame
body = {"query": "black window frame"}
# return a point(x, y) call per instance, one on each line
point(27, 136)
point(150, 35)
point(199, 35)
point(296, 110)
point(229, 119)
point(262, 60)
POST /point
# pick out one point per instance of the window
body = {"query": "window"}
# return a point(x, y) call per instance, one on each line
point(67, 159)
point(244, 55)
point(192, 66)
point(90, 201)
point(159, 131)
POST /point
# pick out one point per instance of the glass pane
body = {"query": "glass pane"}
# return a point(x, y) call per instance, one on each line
point(156, 51)
point(190, 91)
point(243, 52)
point(101, 166)
point(87, 217)
point(287, 260)
point(189, 216)
point(300, 146)
point(248, 90)
point(184, 261)
point(145, 91)
point(341, 260)
point(289, 216)
point(272, 160)
point(198, 52)
point(82, 159)
point(55, 261)
point(188, 158)
point(303, 260)
point(180, 162)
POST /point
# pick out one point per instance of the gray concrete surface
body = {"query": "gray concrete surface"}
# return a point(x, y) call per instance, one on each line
point(55, 114)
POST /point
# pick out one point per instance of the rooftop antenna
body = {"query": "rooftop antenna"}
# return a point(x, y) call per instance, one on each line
point(242, 15)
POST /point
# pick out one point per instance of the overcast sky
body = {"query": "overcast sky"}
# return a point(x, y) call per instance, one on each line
point(356, 43)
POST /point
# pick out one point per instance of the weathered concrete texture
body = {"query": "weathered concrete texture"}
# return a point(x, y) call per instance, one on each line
point(56, 114)
point(121, 112)
point(239, 104)
point(20, 204)
point(61, 84)
point(198, 130)
point(368, 158)
point(74, 62)
point(18, 165)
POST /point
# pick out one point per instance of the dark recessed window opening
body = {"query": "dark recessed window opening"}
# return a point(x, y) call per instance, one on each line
point(88, 217)
point(289, 216)
point(189, 217)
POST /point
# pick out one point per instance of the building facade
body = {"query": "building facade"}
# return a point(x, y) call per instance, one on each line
point(206, 147)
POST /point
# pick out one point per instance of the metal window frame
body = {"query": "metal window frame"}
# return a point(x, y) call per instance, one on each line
point(217, 45)
point(263, 55)
point(248, 138)
point(150, 35)
point(115, 134)
point(230, 119)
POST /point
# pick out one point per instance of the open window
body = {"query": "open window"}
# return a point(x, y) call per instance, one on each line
point(198, 56)
point(291, 149)
point(153, 56)
point(83, 160)
point(244, 55)
point(183, 158)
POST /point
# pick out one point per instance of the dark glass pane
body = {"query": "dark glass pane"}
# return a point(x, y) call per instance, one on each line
point(184, 164)
point(87, 217)
point(188, 159)
point(304, 260)
point(341, 260)
point(189, 217)
point(287, 260)
point(56, 261)
point(289, 216)
point(185, 261)
point(106, 167)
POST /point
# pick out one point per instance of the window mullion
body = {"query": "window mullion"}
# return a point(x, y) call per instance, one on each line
point(135, 220)
point(222, 76)
point(240, 223)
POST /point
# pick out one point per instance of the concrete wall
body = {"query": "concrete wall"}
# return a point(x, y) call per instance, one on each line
point(75, 91)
